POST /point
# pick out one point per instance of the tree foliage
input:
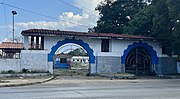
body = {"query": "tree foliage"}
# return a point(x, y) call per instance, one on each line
point(114, 15)
point(166, 25)
point(141, 24)
point(78, 52)
point(174, 15)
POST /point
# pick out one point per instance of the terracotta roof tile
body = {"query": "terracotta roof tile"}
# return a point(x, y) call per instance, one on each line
point(11, 45)
point(47, 32)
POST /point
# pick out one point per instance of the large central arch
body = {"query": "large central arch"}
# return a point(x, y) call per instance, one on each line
point(79, 42)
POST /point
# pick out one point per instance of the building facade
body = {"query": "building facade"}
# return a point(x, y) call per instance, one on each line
point(108, 53)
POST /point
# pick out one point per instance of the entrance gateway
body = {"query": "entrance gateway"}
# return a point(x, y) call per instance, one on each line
point(108, 53)
point(140, 58)
point(79, 42)
point(68, 64)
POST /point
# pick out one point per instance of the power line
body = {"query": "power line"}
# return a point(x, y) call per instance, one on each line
point(5, 18)
point(77, 7)
point(69, 4)
point(44, 15)
point(6, 36)
point(83, 7)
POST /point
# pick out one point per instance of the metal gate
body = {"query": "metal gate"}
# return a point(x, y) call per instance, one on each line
point(138, 61)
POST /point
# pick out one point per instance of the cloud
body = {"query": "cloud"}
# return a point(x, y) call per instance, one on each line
point(66, 21)
point(69, 20)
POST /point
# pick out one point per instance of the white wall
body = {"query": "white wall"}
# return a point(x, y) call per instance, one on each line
point(117, 47)
point(51, 41)
point(34, 60)
point(156, 47)
point(26, 42)
point(10, 64)
point(37, 59)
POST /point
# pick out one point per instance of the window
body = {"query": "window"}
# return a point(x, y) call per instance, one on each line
point(36, 42)
point(105, 45)
point(63, 60)
point(11, 54)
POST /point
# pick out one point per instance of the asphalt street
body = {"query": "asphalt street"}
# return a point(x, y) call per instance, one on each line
point(96, 89)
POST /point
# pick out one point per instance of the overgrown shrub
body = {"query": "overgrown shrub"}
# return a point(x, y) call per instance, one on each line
point(24, 70)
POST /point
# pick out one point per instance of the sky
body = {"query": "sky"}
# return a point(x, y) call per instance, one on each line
point(71, 15)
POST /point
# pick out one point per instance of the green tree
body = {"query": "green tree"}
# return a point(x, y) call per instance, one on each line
point(174, 14)
point(158, 20)
point(161, 28)
point(115, 15)
point(78, 52)
point(141, 24)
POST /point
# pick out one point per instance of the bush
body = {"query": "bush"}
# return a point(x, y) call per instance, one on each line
point(11, 71)
point(8, 72)
point(24, 70)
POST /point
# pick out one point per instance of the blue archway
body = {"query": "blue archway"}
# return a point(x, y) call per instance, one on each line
point(79, 42)
point(149, 48)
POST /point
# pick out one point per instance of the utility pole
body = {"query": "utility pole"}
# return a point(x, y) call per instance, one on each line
point(14, 13)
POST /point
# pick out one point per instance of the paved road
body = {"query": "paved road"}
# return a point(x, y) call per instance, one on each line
point(96, 89)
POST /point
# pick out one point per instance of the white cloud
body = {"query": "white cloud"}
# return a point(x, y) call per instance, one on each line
point(66, 20)
point(69, 20)
point(76, 22)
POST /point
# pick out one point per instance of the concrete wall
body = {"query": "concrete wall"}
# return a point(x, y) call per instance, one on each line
point(33, 60)
point(116, 46)
point(108, 64)
point(10, 64)
point(105, 61)
point(167, 65)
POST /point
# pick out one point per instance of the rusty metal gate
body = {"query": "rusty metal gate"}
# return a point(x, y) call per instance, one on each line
point(138, 61)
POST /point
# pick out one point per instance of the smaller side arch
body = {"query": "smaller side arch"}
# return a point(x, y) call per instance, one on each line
point(149, 48)
point(79, 42)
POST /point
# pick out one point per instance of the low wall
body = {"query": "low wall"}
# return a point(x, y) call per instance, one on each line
point(33, 60)
point(167, 65)
point(108, 64)
point(10, 64)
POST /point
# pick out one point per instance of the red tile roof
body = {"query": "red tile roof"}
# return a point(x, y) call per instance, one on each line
point(47, 32)
point(11, 45)
point(63, 55)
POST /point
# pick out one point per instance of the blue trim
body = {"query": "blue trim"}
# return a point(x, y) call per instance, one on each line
point(149, 48)
point(61, 65)
point(79, 42)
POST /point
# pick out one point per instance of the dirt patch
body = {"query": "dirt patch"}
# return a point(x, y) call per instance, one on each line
point(70, 72)
point(1, 81)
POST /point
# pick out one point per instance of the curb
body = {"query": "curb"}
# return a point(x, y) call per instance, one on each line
point(32, 83)
point(111, 77)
